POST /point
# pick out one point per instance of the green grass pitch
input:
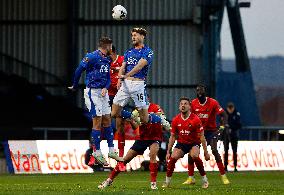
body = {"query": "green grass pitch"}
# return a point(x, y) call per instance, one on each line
point(138, 183)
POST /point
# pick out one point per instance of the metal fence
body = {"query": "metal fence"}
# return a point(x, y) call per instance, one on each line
point(64, 133)
point(262, 133)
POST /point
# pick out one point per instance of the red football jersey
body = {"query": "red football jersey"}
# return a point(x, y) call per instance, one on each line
point(207, 112)
point(187, 129)
point(114, 69)
point(154, 131)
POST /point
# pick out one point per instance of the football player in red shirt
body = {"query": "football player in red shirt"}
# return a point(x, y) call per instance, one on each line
point(114, 69)
point(207, 109)
point(150, 135)
point(116, 63)
point(187, 129)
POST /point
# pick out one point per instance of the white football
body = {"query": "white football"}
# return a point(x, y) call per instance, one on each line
point(119, 12)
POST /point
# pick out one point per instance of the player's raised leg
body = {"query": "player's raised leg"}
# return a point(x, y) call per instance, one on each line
point(152, 117)
point(128, 157)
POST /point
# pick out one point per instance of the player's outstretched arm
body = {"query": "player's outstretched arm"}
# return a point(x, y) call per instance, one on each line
point(76, 79)
point(78, 72)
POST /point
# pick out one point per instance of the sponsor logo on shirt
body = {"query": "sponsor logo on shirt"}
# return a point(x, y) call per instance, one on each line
point(132, 60)
point(185, 132)
point(85, 59)
point(104, 68)
point(203, 115)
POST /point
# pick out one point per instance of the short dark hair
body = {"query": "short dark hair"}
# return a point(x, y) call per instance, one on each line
point(141, 31)
point(104, 41)
point(201, 85)
point(230, 105)
point(184, 98)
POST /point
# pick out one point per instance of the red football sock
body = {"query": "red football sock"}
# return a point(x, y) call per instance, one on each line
point(153, 167)
point(221, 168)
point(190, 167)
point(114, 172)
point(171, 166)
point(121, 143)
point(199, 165)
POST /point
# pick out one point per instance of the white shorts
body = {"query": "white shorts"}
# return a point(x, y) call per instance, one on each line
point(96, 103)
point(134, 90)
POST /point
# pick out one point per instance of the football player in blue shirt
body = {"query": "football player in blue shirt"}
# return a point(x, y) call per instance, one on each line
point(97, 67)
point(132, 74)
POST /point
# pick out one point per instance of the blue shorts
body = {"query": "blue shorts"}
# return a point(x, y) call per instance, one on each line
point(141, 145)
point(186, 147)
point(209, 135)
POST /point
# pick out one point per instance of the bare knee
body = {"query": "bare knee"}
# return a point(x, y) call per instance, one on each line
point(153, 158)
point(177, 154)
point(116, 110)
point(106, 121)
point(154, 148)
point(194, 152)
point(97, 122)
point(114, 114)
point(194, 156)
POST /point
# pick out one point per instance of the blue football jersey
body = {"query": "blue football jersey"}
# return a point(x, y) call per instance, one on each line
point(97, 67)
point(132, 56)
